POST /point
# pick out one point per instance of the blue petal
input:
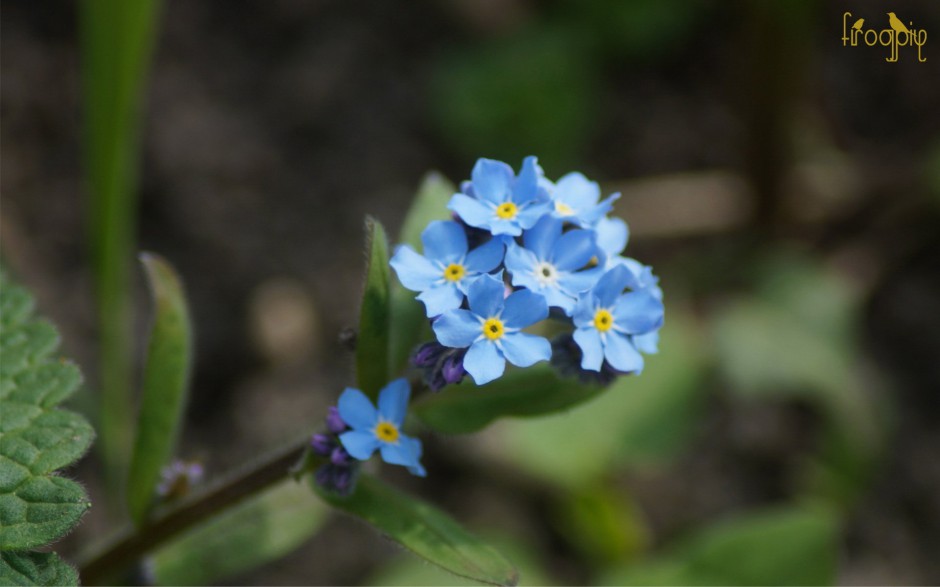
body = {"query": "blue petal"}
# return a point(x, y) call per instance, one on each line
point(574, 249)
point(531, 213)
point(523, 308)
point(525, 187)
point(583, 314)
point(457, 328)
point(591, 216)
point(484, 362)
point(619, 352)
point(502, 226)
point(611, 285)
point(592, 351)
point(492, 180)
point(414, 271)
point(579, 281)
point(440, 299)
point(486, 296)
point(359, 444)
point(577, 191)
point(524, 350)
point(399, 453)
point(486, 257)
point(638, 312)
point(558, 299)
point(521, 264)
point(445, 241)
point(612, 235)
point(471, 210)
point(541, 238)
point(647, 343)
point(393, 401)
point(356, 409)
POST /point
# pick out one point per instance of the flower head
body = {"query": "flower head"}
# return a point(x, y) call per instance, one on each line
point(380, 429)
point(446, 268)
point(550, 263)
point(576, 199)
point(491, 328)
point(607, 320)
point(498, 200)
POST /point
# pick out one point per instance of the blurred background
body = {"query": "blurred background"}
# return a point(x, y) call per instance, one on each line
point(785, 187)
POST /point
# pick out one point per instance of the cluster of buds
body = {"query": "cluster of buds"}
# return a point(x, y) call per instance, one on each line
point(339, 474)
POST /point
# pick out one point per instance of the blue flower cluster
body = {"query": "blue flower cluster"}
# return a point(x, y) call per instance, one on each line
point(522, 248)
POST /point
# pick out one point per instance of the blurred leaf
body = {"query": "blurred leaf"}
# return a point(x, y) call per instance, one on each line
point(786, 546)
point(372, 346)
point(165, 385)
point(603, 524)
point(424, 530)
point(35, 568)
point(409, 325)
point(259, 531)
point(639, 419)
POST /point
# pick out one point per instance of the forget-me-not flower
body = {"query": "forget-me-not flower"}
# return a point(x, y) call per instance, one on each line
point(446, 268)
point(607, 320)
point(380, 429)
point(499, 201)
point(492, 329)
point(576, 199)
point(550, 262)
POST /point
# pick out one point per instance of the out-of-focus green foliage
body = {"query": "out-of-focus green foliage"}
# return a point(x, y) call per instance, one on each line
point(372, 344)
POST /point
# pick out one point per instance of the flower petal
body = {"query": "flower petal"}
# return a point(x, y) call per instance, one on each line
point(583, 314)
point(541, 238)
point(356, 409)
point(359, 444)
point(393, 401)
point(445, 241)
point(592, 351)
point(501, 226)
point(525, 187)
point(620, 353)
point(611, 285)
point(556, 298)
point(524, 308)
point(402, 452)
point(471, 210)
point(521, 264)
point(524, 350)
point(638, 312)
point(574, 249)
point(486, 296)
point(486, 257)
point(414, 271)
point(491, 180)
point(440, 299)
point(457, 328)
point(529, 214)
point(591, 216)
point(484, 362)
point(577, 191)
point(579, 281)
point(612, 235)
point(647, 343)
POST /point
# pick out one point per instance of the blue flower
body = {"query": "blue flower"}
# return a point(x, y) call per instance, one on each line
point(499, 201)
point(445, 270)
point(380, 429)
point(550, 262)
point(575, 199)
point(491, 328)
point(608, 320)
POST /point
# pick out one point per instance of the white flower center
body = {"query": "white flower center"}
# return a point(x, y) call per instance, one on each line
point(546, 274)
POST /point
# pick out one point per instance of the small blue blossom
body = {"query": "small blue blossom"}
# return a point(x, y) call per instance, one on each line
point(499, 201)
point(446, 268)
point(380, 429)
point(550, 263)
point(576, 199)
point(608, 320)
point(491, 328)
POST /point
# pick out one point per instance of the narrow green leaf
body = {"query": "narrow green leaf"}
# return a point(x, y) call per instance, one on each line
point(260, 531)
point(166, 376)
point(372, 344)
point(35, 568)
point(523, 392)
point(425, 531)
point(409, 325)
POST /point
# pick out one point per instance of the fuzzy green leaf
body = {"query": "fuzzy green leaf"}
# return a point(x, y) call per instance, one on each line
point(165, 385)
point(425, 531)
point(372, 344)
point(35, 568)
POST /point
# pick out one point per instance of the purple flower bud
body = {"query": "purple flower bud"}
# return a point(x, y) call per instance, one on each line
point(343, 481)
point(339, 456)
point(334, 422)
point(428, 354)
point(452, 369)
point(336, 478)
point(322, 444)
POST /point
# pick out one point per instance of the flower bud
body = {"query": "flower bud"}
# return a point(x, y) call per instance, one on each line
point(322, 444)
point(334, 422)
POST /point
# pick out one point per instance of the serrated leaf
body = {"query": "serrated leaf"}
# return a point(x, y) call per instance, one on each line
point(262, 530)
point(39, 510)
point(426, 531)
point(35, 568)
point(166, 376)
point(372, 343)
point(409, 325)
point(523, 392)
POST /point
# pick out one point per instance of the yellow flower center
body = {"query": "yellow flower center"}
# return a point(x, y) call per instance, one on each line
point(507, 211)
point(493, 329)
point(386, 432)
point(563, 209)
point(603, 320)
point(454, 272)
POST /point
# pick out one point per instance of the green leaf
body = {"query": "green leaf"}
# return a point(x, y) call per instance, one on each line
point(372, 347)
point(425, 531)
point(36, 439)
point(35, 568)
point(262, 530)
point(166, 376)
point(409, 325)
